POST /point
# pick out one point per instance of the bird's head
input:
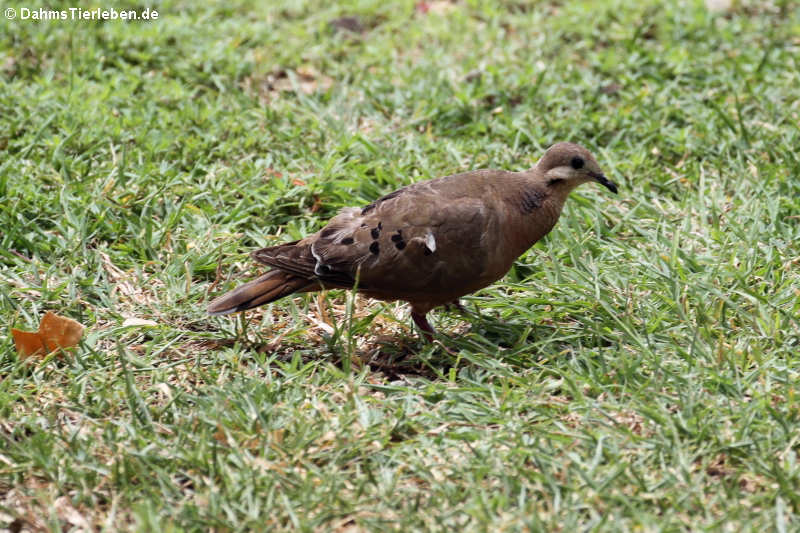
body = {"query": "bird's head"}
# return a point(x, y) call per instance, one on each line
point(565, 165)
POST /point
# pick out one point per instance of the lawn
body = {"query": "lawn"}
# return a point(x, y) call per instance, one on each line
point(636, 370)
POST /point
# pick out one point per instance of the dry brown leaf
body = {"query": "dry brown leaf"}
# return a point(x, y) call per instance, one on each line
point(55, 332)
point(27, 342)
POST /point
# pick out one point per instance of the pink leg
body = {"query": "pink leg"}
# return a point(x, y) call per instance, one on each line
point(422, 324)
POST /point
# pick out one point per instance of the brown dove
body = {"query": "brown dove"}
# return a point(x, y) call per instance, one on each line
point(428, 243)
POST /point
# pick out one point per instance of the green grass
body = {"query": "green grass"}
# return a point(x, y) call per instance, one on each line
point(637, 369)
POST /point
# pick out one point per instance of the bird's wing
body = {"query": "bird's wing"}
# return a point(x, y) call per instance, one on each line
point(433, 236)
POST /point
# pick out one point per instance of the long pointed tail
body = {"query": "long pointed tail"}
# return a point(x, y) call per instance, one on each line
point(271, 286)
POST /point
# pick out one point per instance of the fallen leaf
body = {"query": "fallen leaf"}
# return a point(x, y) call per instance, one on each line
point(27, 342)
point(55, 332)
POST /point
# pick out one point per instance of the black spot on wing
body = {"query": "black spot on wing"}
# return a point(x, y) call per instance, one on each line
point(374, 248)
point(398, 241)
point(327, 232)
point(347, 240)
point(376, 231)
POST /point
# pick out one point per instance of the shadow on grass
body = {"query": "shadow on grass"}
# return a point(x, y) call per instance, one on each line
point(467, 339)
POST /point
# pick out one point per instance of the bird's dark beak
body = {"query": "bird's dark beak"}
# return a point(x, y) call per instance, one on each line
point(602, 180)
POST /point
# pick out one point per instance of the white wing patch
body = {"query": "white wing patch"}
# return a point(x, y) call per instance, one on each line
point(430, 242)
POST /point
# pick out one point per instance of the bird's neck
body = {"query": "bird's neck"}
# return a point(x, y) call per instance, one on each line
point(533, 210)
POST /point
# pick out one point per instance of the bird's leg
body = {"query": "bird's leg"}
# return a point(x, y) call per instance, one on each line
point(427, 330)
point(423, 324)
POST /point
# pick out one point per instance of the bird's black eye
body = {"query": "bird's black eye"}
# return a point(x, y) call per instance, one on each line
point(577, 162)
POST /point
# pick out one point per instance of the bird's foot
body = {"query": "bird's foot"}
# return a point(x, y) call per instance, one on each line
point(428, 332)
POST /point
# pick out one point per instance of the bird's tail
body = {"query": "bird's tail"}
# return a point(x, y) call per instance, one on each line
point(271, 286)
